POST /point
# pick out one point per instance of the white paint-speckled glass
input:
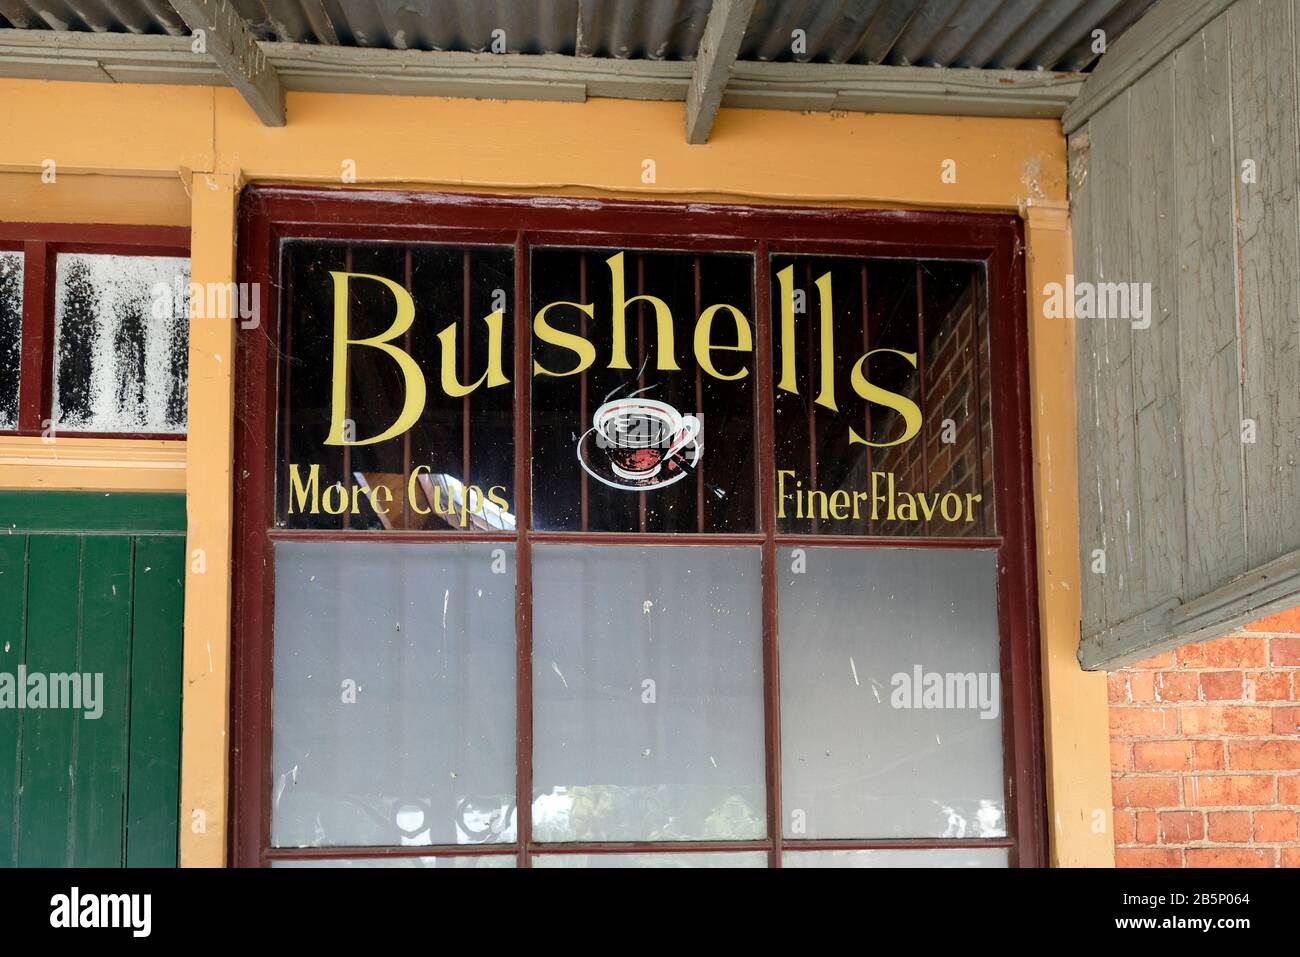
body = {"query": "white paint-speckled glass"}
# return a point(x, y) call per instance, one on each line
point(394, 697)
point(121, 335)
point(648, 693)
point(892, 857)
point(891, 705)
point(11, 336)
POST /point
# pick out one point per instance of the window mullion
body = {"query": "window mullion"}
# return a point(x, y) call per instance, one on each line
point(523, 558)
point(767, 518)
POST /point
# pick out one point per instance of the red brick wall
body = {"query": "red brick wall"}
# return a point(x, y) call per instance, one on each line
point(1205, 752)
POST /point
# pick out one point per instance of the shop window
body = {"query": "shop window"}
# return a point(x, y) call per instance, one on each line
point(633, 536)
point(94, 330)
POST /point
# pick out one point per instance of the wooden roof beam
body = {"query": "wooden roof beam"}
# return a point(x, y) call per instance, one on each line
point(233, 47)
point(713, 61)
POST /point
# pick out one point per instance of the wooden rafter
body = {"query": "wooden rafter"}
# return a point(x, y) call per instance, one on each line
point(233, 47)
point(713, 61)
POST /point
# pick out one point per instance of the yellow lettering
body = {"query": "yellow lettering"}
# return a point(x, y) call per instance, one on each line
point(493, 376)
point(411, 374)
point(411, 483)
point(780, 490)
point(703, 345)
point(298, 492)
point(901, 404)
point(826, 327)
point(786, 280)
point(667, 358)
point(584, 350)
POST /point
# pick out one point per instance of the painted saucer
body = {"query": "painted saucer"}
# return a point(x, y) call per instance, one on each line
point(596, 463)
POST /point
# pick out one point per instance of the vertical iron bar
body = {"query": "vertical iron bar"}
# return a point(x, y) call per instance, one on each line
point(641, 354)
point(979, 297)
point(464, 372)
point(286, 364)
point(582, 328)
point(406, 436)
point(920, 371)
point(866, 406)
point(812, 384)
point(699, 410)
point(347, 399)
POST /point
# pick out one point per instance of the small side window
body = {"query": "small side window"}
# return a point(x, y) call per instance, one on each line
point(121, 335)
point(11, 336)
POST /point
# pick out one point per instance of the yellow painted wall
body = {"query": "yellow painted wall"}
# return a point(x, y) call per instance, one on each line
point(147, 139)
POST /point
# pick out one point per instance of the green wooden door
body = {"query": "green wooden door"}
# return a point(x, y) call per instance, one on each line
point(91, 604)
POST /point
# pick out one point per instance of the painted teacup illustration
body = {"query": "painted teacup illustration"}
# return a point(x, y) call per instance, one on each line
point(640, 443)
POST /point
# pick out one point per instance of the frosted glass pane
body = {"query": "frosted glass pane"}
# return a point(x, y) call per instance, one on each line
point(11, 336)
point(464, 860)
point(394, 697)
point(691, 859)
point(121, 332)
point(937, 857)
point(648, 694)
point(891, 700)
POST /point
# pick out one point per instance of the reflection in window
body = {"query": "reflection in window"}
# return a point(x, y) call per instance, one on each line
point(443, 861)
point(932, 857)
point(11, 336)
point(928, 469)
point(394, 700)
point(687, 859)
point(891, 699)
point(121, 332)
point(648, 694)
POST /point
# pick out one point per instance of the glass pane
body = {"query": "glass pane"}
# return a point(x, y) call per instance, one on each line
point(936, 857)
point(648, 694)
point(121, 332)
point(891, 700)
point(437, 393)
point(652, 427)
point(468, 860)
point(690, 859)
point(881, 399)
point(11, 336)
point(394, 700)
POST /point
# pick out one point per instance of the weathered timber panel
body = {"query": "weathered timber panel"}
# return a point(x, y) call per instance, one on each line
point(1189, 409)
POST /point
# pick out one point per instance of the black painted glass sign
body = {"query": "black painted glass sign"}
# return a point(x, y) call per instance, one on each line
point(398, 396)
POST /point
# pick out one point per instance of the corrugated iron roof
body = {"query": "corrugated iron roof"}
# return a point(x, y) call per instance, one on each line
point(1007, 34)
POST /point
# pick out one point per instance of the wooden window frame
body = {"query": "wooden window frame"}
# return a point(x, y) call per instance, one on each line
point(40, 244)
point(269, 215)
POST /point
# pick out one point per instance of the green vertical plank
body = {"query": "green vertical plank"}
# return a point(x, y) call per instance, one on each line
point(153, 784)
point(53, 592)
point(99, 791)
point(13, 610)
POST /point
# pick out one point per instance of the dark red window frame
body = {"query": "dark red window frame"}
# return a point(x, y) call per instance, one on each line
point(270, 215)
point(40, 244)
